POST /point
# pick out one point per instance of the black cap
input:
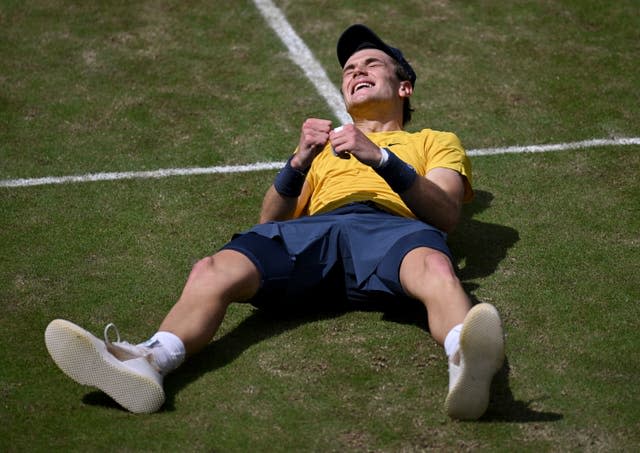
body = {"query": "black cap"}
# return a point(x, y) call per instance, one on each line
point(358, 37)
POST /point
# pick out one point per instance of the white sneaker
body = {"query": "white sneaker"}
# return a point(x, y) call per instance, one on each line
point(480, 357)
point(123, 371)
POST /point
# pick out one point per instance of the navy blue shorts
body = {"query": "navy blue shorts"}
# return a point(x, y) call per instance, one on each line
point(351, 253)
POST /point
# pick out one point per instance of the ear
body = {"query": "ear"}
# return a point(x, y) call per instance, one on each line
point(406, 89)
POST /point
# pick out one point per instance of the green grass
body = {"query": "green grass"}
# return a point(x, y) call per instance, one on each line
point(552, 239)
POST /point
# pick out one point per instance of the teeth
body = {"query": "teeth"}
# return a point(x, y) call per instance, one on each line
point(363, 85)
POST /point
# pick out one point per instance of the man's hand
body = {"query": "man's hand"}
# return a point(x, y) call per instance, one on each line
point(313, 138)
point(349, 140)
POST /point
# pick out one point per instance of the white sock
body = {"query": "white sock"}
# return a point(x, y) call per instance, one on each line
point(167, 349)
point(452, 341)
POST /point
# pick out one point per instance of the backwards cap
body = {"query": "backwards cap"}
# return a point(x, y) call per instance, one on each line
point(358, 37)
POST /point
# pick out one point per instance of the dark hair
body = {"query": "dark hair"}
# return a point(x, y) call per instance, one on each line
point(402, 74)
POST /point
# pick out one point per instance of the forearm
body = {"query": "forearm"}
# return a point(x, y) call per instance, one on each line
point(434, 199)
point(276, 206)
point(281, 199)
point(431, 204)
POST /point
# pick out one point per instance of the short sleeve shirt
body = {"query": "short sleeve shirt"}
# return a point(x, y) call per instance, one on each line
point(335, 182)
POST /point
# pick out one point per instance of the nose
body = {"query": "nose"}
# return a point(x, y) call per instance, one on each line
point(358, 69)
point(362, 69)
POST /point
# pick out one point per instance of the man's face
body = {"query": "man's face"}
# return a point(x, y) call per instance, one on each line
point(369, 76)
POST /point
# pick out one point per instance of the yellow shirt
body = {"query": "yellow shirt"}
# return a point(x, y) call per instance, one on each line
point(333, 182)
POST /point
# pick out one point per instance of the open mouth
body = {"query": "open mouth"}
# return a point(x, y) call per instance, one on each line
point(361, 85)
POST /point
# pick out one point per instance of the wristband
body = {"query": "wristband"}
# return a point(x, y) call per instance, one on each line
point(384, 159)
point(289, 181)
point(397, 173)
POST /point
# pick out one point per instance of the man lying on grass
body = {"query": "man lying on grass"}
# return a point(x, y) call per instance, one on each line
point(359, 212)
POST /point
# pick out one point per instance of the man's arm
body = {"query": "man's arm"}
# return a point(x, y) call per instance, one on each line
point(435, 199)
point(283, 196)
point(279, 207)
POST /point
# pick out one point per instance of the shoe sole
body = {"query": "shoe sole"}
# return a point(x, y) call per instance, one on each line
point(482, 346)
point(85, 359)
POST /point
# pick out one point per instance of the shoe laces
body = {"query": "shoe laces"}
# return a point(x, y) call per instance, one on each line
point(123, 350)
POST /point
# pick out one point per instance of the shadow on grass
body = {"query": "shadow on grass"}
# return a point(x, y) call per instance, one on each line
point(503, 407)
point(480, 245)
point(98, 398)
point(263, 324)
point(259, 326)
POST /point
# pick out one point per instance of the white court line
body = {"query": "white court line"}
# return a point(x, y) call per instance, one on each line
point(259, 166)
point(303, 57)
point(163, 173)
point(555, 147)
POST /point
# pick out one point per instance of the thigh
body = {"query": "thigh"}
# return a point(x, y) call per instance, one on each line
point(403, 255)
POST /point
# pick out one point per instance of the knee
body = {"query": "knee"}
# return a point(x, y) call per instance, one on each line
point(228, 273)
point(427, 272)
point(202, 272)
point(216, 268)
point(202, 268)
point(438, 267)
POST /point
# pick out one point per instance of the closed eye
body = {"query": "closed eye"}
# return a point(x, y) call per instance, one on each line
point(369, 63)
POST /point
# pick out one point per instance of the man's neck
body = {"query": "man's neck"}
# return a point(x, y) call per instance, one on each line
point(377, 118)
point(367, 126)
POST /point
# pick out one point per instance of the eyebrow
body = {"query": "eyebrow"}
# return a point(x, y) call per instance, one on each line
point(367, 61)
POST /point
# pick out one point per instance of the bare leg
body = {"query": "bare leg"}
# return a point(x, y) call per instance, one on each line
point(213, 284)
point(427, 275)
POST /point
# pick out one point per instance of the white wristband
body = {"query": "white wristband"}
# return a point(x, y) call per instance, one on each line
point(384, 158)
point(337, 129)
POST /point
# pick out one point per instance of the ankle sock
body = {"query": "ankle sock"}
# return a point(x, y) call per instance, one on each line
point(452, 341)
point(167, 349)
